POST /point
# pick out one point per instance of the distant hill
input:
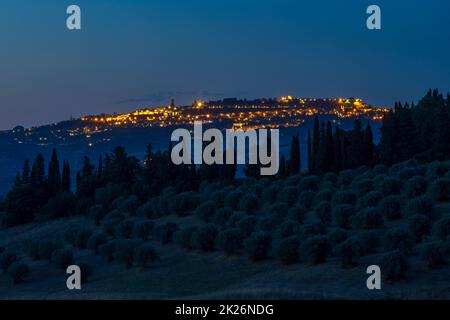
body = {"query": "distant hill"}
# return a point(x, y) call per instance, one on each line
point(95, 135)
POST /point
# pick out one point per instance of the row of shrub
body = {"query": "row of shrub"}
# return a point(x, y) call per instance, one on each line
point(56, 253)
point(351, 208)
point(341, 215)
point(130, 252)
point(11, 264)
point(125, 249)
point(311, 245)
point(237, 226)
point(390, 207)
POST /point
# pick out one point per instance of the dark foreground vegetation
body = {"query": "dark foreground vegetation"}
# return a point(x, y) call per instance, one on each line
point(369, 211)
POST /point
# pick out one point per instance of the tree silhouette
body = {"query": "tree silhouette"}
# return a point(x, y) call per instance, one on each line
point(38, 172)
point(65, 179)
point(88, 168)
point(282, 169)
point(295, 161)
point(54, 175)
point(100, 167)
point(355, 155)
point(310, 164)
point(338, 145)
point(329, 148)
point(368, 145)
point(316, 144)
point(417, 131)
point(25, 177)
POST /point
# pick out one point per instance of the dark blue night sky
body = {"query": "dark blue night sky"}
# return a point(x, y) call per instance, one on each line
point(140, 53)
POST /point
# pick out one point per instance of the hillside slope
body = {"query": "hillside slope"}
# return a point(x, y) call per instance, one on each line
point(400, 212)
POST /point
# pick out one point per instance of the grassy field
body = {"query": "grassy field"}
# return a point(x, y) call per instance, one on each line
point(195, 275)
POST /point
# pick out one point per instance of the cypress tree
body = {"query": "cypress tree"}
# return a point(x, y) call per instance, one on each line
point(295, 161)
point(368, 145)
point(123, 167)
point(78, 183)
point(148, 158)
point(229, 170)
point(17, 181)
point(65, 180)
point(88, 168)
point(310, 163)
point(193, 175)
point(233, 167)
point(338, 165)
point(388, 143)
point(345, 142)
point(209, 172)
point(316, 144)
point(356, 151)
point(251, 170)
point(254, 170)
point(425, 125)
point(441, 138)
point(329, 148)
point(100, 167)
point(54, 176)
point(148, 164)
point(38, 171)
point(86, 180)
point(172, 168)
point(406, 134)
point(282, 170)
point(322, 156)
point(25, 177)
point(106, 171)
